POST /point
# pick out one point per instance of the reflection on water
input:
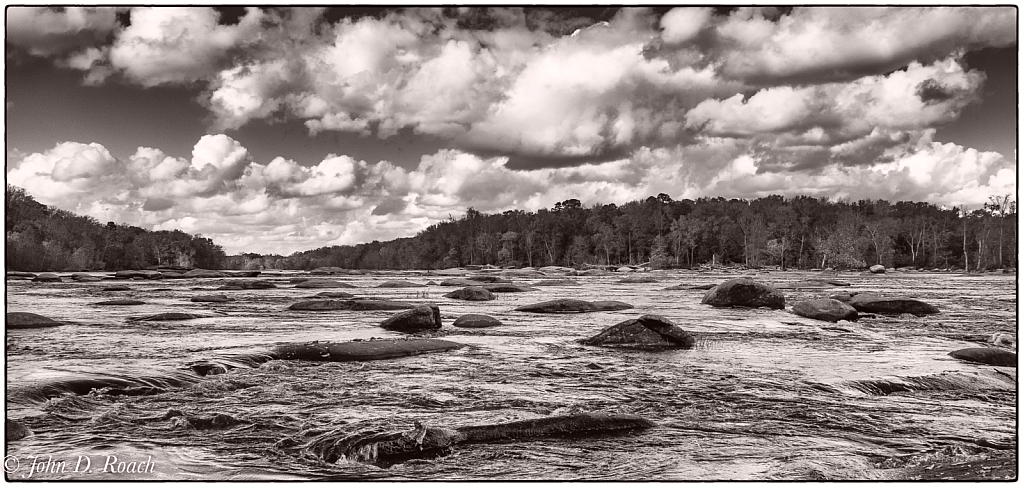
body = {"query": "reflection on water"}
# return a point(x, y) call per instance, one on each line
point(764, 395)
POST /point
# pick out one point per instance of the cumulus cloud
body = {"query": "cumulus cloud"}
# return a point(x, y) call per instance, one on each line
point(54, 31)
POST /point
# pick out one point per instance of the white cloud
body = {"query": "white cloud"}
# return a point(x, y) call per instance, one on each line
point(45, 31)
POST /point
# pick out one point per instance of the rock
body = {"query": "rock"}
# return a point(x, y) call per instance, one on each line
point(872, 303)
point(211, 298)
point(1004, 339)
point(489, 279)
point(744, 292)
point(350, 305)
point(333, 270)
point(399, 284)
point(11, 274)
point(831, 310)
point(626, 269)
point(645, 331)
point(361, 350)
point(146, 274)
point(83, 277)
point(638, 280)
point(702, 287)
point(471, 293)
point(877, 269)
point(46, 277)
point(121, 302)
point(172, 316)
point(553, 269)
point(573, 306)
point(335, 295)
point(22, 320)
point(431, 283)
point(592, 272)
point(987, 356)
point(246, 285)
point(556, 282)
point(322, 284)
point(242, 273)
point(522, 273)
point(453, 271)
point(116, 288)
point(14, 430)
point(203, 274)
point(507, 288)
point(806, 284)
point(476, 321)
point(420, 318)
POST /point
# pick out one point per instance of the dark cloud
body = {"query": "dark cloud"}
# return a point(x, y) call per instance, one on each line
point(157, 204)
point(932, 91)
point(529, 162)
point(389, 206)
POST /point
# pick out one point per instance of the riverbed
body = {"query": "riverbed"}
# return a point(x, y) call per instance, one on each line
point(764, 395)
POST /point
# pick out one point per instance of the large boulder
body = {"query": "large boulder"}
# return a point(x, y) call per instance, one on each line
point(573, 306)
point(645, 331)
point(471, 293)
point(420, 318)
point(476, 321)
point(121, 302)
point(322, 284)
point(46, 277)
point(350, 305)
point(247, 285)
point(831, 310)
point(744, 292)
point(877, 269)
point(361, 350)
point(21, 320)
point(399, 284)
point(987, 356)
point(211, 298)
point(872, 303)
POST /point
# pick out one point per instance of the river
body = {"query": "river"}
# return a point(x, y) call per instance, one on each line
point(764, 395)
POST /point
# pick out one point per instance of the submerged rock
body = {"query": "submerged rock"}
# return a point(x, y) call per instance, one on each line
point(987, 356)
point(361, 350)
point(645, 331)
point(14, 430)
point(20, 319)
point(386, 448)
point(211, 298)
point(744, 292)
point(420, 318)
point(322, 284)
point(350, 305)
point(573, 306)
point(172, 316)
point(121, 302)
point(638, 280)
point(831, 310)
point(872, 303)
point(471, 293)
point(399, 284)
point(476, 321)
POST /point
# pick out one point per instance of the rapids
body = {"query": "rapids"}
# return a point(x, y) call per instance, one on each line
point(764, 395)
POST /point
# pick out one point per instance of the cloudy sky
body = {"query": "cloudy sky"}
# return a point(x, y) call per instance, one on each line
point(277, 130)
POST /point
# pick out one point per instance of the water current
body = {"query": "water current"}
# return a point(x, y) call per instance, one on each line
point(765, 394)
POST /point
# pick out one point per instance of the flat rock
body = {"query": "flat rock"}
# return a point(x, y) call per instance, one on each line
point(247, 285)
point(357, 351)
point(202, 273)
point(744, 292)
point(83, 277)
point(335, 295)
point(350, 305)
point(553, 269)
point(399, 284)
point(211, 298)
point(593, 272)
point(831, 310)
point(476, 321)
point(22, 320)
point(471, 293)
point(573, 306)
point(322, 284)
point(987, 356)
point(507, 288)
point(872, 303)
point(242, 273)
point(421, 318)
point(121, 302)
point(20, 274)
point(556, 282)
point(145, 274)
point(646, 331)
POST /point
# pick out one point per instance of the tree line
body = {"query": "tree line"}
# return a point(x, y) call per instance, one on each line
point(801, 232)
point(43, 238)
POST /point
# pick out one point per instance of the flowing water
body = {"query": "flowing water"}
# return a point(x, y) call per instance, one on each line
point(765, 395)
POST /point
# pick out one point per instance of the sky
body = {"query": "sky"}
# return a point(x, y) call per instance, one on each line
point(276, 130)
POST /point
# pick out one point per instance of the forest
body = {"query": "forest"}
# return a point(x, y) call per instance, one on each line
point(801, 232)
